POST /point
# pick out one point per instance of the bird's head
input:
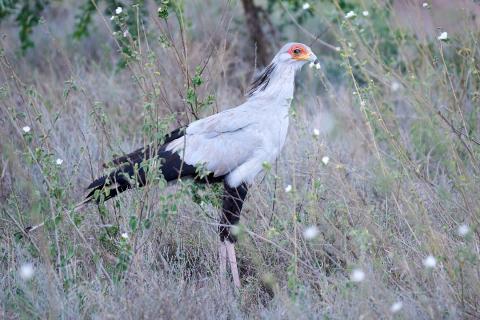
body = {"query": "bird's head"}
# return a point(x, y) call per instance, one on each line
point(296, 54)
point(290, 58)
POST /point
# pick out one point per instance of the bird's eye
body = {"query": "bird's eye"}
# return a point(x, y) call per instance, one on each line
point(297, 51)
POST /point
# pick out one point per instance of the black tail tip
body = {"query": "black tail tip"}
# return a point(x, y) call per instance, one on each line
point(21, 234)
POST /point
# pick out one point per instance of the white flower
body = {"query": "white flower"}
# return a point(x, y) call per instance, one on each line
point(112, 17)
point(362, 103)
point(306, 6)
point(26, 271)
point(288, 188)
point(325, 160)
point(425, 5)
point(443, 36)
point(350, 14)
point(357, 275)
point(59, 161)
point(337, 48)
point(125, 33)
point(463, 230)
point(365, 13)
point(26, 129)
point(124, 235)
point(310, 232)
point(430, 262)
point(118, 10)
point(395, 86)
point(316, 132)
point(397, 306)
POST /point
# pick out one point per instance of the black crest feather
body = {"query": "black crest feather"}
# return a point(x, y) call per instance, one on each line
point(261, 82)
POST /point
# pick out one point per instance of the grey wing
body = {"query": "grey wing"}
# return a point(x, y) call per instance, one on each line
point(226, 121)
point(220, 143)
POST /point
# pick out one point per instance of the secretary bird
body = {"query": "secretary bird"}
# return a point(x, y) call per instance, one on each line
point(232, 146)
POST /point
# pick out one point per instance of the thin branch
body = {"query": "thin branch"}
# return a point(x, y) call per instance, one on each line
point(457, 131)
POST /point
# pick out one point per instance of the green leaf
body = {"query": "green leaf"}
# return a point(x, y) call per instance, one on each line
point(133, 223)
point(83, 19)
point(147, 223)
point(27, 18)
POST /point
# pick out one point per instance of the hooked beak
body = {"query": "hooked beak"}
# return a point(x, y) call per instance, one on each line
point(313, 58)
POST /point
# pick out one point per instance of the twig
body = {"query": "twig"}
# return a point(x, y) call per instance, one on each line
point(457, 131)
point(77, 207)
point(314, 37)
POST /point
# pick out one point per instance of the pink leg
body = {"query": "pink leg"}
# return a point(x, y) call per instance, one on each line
point(233, 263)
point(222, 252)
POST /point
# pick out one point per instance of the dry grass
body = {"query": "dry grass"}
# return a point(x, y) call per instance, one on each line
point(399, 182)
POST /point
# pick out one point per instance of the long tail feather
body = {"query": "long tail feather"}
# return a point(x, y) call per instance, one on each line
point(77, 207)
point(130, 172)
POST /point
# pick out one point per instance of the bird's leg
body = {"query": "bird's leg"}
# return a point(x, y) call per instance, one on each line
point(222, 252)
point(232, 259)
point(232, 206)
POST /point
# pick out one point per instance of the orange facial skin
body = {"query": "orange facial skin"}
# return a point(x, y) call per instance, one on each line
point(299, 52)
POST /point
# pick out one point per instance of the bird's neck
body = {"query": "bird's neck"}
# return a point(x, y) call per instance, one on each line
point(276, 85)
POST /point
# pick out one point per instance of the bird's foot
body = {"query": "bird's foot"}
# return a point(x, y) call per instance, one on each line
point(226, 252)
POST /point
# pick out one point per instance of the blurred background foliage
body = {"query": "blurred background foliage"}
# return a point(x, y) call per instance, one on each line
point(389, 177)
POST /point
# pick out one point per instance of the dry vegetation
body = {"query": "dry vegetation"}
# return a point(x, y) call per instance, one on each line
point(398, 117)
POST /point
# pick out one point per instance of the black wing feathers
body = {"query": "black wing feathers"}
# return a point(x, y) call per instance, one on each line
point(141, 154)
point(129, 171)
